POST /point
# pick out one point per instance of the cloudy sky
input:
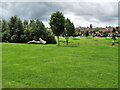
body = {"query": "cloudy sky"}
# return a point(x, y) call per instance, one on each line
point(100, 14)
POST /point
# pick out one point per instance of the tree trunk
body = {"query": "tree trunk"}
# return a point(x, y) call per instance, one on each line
point(67, 42)
point(58, 41)
point(106, 38)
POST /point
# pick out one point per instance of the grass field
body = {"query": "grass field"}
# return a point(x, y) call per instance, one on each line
point(85, 63)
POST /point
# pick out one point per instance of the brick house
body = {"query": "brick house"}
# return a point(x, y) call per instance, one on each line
point(81, 30)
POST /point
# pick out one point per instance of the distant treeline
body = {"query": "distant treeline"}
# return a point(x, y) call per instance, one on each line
point(17, 31)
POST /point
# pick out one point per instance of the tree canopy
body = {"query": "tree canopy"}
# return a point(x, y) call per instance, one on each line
point(57, 22)
point(69, 29)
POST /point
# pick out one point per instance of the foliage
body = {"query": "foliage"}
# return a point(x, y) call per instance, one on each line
point(96, 29)
point(91, 26)
point(57, 22)
point(114, 34)
point(93, 35)
point(21, 32)
point(76, 34)
point(69, 29)
point(105, 33)
point(86, 33)
point(0, 30)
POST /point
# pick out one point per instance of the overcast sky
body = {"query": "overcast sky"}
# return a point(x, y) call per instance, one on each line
point(100, 14)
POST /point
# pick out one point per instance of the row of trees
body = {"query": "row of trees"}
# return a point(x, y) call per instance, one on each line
point(61, 26)
point(21, 32)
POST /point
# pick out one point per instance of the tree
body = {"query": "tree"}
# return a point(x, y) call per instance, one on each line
point(19, 30)
point(32, 28)
point(86, 33)
point(12, 25)
point(91, 26)
point(93, 35)
point(40, 29)
point(69, 29)
point(57, 22)
point(16, 29)
point(96, 29)
point(109, 26)
point(4, 25)
point(25, 23)
point(26, 35)
point(105, 33)
point(114, 34)
point(0, 30)
point(5, 31)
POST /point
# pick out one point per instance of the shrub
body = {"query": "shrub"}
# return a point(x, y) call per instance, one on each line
point(86, 33)
point(105, 33)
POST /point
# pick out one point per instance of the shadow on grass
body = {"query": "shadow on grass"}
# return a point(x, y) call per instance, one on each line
point(117, 42)
point(95, 40)
point(89, 38)
point(76, 39)
point(67, 46)
point(107, 38)
point(62, 41)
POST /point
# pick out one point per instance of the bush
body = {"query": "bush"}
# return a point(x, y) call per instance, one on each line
point(76, 34)
point(114, 36)
point(105, 33)
point(93, 35)
point(86, 33)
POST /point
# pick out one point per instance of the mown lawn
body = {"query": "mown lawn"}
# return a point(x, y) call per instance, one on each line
point(85, 63)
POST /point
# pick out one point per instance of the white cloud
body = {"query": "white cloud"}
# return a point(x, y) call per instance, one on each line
point(60, 0)
point(80, 13)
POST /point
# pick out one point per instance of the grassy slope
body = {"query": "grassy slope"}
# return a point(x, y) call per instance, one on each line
point(92, 63)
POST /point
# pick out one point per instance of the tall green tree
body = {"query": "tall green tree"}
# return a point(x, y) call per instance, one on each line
point(26, 36)
point(69, 29)
point(0, 30)
point(25, 23)
point(32, 30)
point(12, 25)
point(16, 29)
point(19, 30)
point(114, 34)
point(0, 26)
point(4, 25)
point(57, 22)
point(5, 31)
point(91, 26)
point(40, 29)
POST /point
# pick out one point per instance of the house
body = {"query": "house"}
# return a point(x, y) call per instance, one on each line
point(81, 30)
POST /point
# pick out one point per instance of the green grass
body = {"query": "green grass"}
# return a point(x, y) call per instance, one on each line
point(85, 63)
